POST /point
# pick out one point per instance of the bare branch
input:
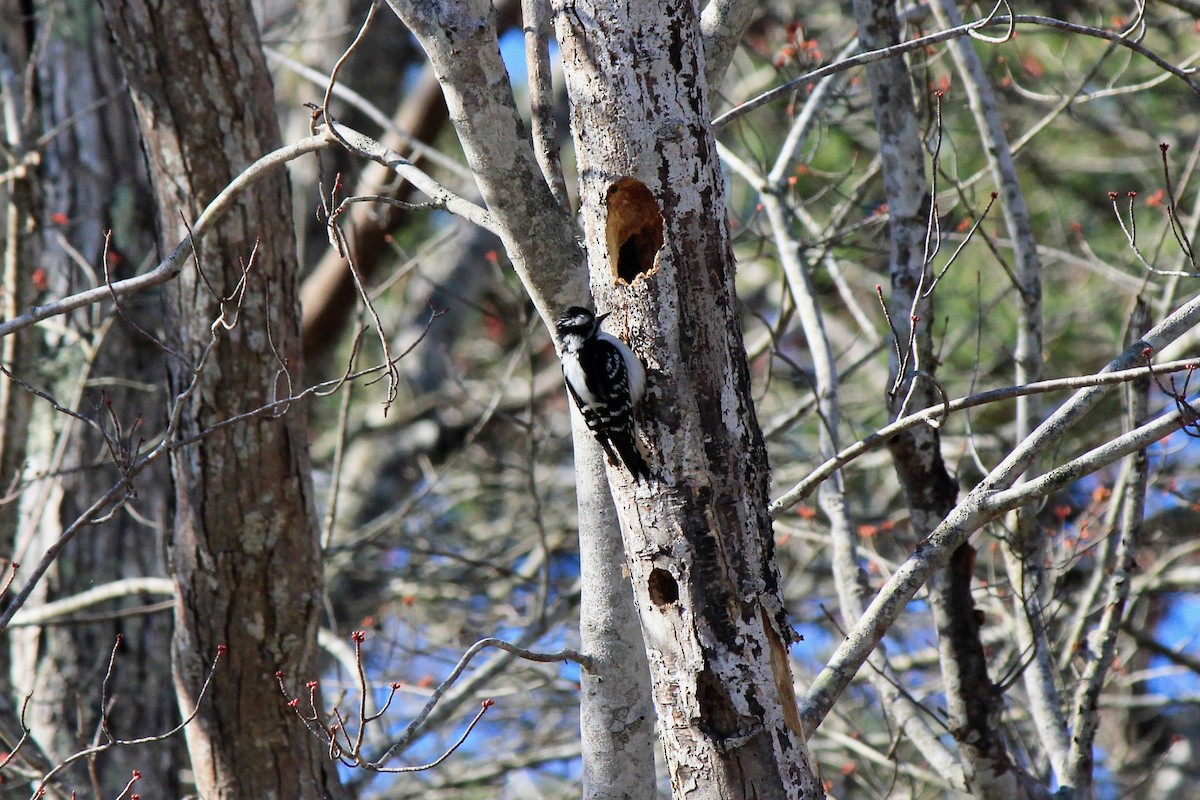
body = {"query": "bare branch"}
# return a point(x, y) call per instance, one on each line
point(967, 29)
point(48, 612)
point(89, 752)
point(348, 750)
point(366, 147)
point(722, 25)
point(1102, 643)
point(804, 488)
point(975, 509)
point(169, 267)
point(530, 655)
point(420, 149)
point(536, 15)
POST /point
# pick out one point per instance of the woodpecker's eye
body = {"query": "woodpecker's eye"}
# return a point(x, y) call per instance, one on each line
point(575, 320)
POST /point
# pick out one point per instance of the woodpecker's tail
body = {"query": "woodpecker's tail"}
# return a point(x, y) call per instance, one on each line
point(631, 455)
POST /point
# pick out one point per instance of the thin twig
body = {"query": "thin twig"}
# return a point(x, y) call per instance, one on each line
point(967, 29)
point(92, 751)
point(475, 649)
point(865, 445)
point(170, 267)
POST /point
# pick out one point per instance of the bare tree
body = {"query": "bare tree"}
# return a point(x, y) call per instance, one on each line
point(698, 541)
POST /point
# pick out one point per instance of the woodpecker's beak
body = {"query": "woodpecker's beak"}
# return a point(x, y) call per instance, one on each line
point(601, 318)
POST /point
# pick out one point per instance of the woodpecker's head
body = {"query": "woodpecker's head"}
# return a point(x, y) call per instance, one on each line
point(575, 326)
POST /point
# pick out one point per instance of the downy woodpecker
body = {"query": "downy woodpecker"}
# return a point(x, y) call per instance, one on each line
point(607, 381)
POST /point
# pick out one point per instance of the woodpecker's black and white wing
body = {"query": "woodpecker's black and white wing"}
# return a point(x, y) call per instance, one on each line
point(612, 390)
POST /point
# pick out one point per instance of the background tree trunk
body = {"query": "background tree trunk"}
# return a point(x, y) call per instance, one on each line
point(244, 545)
point(21, 247)
point(89, 178)
point(616, 715)
point(20, 244)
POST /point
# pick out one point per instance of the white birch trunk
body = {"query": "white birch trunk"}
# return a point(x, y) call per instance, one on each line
point(616, 717)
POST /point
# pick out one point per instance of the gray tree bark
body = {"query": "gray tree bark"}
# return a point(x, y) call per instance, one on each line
point(244, 540)
point(539, 236)
point(616, 715)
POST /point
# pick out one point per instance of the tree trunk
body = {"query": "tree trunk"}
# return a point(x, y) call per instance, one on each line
point(20, 244)
point(540, 239)
point(89, 192)
point(616, 717)
point(244, 544)
point(697, 537)
point(972, 700)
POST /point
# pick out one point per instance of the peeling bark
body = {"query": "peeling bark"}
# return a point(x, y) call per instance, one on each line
point(698, 539)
